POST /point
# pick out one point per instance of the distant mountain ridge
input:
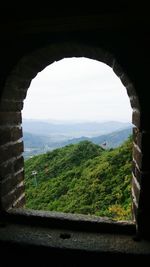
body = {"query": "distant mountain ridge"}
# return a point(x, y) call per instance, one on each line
point(36, 144)
point(112, 140)
point(89, 129)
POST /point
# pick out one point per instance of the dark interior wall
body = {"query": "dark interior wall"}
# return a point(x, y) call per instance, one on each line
point(120, 30)
point(124, 31)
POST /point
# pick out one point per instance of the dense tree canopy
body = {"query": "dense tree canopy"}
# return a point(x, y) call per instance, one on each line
point(81, 178)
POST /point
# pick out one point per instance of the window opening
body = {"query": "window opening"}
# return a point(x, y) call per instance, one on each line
point(77, 135)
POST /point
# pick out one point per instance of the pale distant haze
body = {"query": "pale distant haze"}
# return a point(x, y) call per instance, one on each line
point(77, 89)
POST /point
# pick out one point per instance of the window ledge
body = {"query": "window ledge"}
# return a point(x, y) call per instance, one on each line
point(70, 221)
point(70, 232)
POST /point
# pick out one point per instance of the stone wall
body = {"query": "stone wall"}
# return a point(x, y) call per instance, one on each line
point(29, 45)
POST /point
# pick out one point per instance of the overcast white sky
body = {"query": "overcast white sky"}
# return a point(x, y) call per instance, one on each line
point(77, 89)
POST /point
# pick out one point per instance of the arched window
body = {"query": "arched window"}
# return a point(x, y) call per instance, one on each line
point(12, 163)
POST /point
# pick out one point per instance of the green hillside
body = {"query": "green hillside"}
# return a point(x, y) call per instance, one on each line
point(81, 178)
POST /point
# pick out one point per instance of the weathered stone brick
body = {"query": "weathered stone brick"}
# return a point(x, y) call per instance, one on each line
point(10, 118)
point(8, 152)
point(11, 106)
point(137, 173)
point(27, 73)
point(136, 118)
point(142, 139)
point(10, 134)
point(134, 102)
point(17, 81)
point(8, 199)
point(6, 170)
point(15, 94)
point(135, 189)
point(5, 136)
point(130, 90)
point(16, 133)
point(117, 69)
point(136, 136)
point(135, 210)
point(18, 164)
point(8, 184)
point(9, 169)
point(125, 81)
point(20, 202)
point(137, 156)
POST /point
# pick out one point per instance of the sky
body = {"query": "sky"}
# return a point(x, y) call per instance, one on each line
point(77, 89)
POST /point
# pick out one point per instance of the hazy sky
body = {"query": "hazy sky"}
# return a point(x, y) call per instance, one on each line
point(77, 89)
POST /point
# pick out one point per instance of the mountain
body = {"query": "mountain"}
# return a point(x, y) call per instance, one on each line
point(112, 140)
point(36, 144)
point(39, 141)
point(81, 178)
point(73, 130)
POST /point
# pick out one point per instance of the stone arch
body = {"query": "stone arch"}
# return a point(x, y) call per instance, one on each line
point(13, 95)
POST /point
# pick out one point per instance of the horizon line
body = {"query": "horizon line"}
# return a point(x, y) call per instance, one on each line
point(76, 120)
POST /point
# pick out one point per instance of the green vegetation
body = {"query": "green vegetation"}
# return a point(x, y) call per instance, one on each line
point(82, 178)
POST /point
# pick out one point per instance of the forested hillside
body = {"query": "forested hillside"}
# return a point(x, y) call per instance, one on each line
point(81, 178)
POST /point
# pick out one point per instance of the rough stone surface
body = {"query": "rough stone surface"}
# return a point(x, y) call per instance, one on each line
point(114, 33)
